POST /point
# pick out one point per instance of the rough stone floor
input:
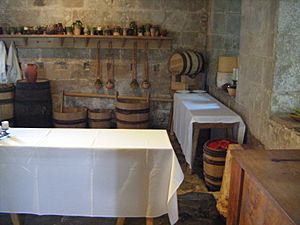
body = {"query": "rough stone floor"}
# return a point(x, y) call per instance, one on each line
point(196, 205)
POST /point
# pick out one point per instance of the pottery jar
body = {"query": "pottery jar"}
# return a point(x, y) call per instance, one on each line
point(31, 73)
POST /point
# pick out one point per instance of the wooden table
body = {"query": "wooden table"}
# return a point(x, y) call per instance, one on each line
point(86, 172)
point(195, 111)
point(264, 188)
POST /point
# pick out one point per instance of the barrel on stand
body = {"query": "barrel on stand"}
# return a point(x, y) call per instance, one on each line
point(33, 104)
point(132, 114)
point(7, 101)
point(100, 118)
point(70, 117)
point(185, 62)
point(213, 163)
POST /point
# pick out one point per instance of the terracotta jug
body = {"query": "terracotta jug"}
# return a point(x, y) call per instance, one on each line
point(31, 73)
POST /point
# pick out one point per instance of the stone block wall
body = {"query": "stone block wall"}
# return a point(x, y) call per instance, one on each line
point(223, 33)
point(258, 50)
point(75, 69)
point(286, 94)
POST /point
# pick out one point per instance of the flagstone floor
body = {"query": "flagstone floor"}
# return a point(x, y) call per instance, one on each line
point(196, 204)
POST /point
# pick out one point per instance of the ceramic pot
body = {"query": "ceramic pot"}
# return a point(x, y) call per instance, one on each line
point(231, 91)
point(31, 73)
point(146, 84)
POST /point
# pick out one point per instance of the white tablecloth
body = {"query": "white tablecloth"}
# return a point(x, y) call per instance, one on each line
point(89, 172)
point(200, 108)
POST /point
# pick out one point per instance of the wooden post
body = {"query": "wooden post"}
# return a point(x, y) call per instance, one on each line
point(16, 219)
point(120, 221)
point(149, 221)
point(62, 101)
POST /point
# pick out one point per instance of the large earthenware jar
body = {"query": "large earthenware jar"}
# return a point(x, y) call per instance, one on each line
point(31, 73)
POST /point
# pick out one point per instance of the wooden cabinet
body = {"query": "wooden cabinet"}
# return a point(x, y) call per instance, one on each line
point(265, 188)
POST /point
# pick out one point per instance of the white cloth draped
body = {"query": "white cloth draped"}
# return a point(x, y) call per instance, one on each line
point(3, 58)
point(200, 108)
point(13, 69)
point(89, 172)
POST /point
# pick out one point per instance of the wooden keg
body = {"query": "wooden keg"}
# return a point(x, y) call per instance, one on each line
point(185, 62)
point(33, 104)
point(6, 101)
point(70, 117)
point(99, 118)
point(213, 165)
point(132, 114)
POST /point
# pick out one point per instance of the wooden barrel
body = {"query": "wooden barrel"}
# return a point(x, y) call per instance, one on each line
point(71, 117)
point(6, 101)
point(213, 165)
point(132, 114)
point(185, 62)
point(100, 118)
point(33, 104)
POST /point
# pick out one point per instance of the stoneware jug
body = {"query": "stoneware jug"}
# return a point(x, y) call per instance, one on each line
point(31, 73)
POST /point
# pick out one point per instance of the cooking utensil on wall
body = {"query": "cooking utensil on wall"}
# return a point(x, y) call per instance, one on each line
point(146, 84)
point(134, 83)
point(110, 68)
point(98, 83)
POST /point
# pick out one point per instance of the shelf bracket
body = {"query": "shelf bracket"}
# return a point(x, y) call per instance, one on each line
point(87, 42)
point(25, 41)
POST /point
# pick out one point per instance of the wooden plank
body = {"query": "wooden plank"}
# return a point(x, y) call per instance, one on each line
point(16, 219)
point(120, 221)
point(86, 41)
point(257, 208)
point(95, 95)
point(277, 173)
point(235, 193)
point(149, 221)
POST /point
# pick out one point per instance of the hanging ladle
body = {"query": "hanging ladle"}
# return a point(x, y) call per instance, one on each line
point(134, 83)
point(146, 84)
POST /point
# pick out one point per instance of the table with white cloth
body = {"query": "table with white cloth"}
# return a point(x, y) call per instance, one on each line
point(201, 109)
point(89, 172)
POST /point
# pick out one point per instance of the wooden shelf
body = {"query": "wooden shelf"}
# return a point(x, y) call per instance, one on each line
point(86, 41)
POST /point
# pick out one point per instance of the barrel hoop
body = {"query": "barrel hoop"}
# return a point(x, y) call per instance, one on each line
point(128, 112)
point(199, 63)
point(135, 122)
point(8, 89)
point(6, 101)
point(99, 120)
point(212, 178)
point(184, 62)
point(215, 163)
point(25, 101)
point(190, 58)
point(69, 122)
point(217, 154)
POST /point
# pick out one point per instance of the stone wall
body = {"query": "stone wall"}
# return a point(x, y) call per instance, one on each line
point(259, 22)
point(223, 33)
point(75, 69)
point(286, 88)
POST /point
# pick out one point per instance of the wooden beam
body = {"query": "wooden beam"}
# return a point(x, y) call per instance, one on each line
point(96, 95)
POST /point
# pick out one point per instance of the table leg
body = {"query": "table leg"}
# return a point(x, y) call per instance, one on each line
point(196, 132)
point(15, 219)
point(120, 221)
point(149, 221)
